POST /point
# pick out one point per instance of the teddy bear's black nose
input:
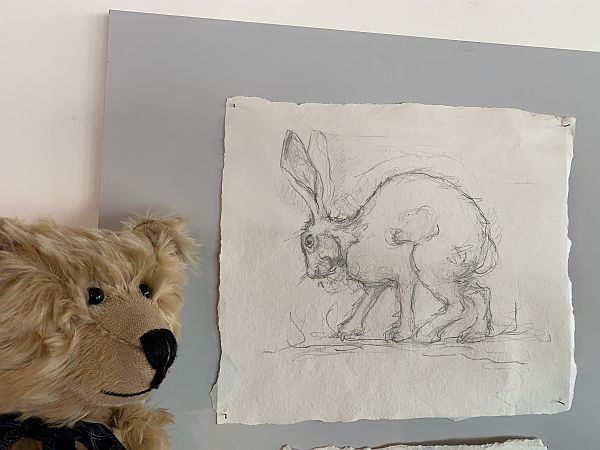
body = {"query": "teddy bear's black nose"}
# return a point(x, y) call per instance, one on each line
point(160, 348)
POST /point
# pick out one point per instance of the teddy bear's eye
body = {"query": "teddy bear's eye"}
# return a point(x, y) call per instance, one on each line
point(146, 290)
point(95, 296)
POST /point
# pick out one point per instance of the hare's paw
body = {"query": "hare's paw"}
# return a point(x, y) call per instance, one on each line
point(477, 333)
point(349, 329)
point(428, 333)
point(398, 334)
point(469, 337)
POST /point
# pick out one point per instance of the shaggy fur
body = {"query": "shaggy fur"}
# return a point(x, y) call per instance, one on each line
point(57, 352)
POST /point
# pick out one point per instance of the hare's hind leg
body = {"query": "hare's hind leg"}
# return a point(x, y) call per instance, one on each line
point(457, 313)
point(465, 315)
point(404, 327)
point(450, 317)
point(465, 312)
point(482, 327)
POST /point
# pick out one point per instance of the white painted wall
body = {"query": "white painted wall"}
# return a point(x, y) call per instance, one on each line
point(52, 56)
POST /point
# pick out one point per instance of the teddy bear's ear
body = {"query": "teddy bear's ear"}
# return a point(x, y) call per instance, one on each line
point(10, 230)
point(165, 231)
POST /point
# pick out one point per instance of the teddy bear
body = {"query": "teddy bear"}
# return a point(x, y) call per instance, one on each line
point(89, 321)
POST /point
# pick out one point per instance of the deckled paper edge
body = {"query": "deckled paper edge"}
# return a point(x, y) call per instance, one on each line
point(214, 398)
point(242, 98)
point(565, 121)
point(526, 443)
point(570, 122)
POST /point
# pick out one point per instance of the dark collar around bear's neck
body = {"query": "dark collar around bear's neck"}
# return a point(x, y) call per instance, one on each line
point(92, 435)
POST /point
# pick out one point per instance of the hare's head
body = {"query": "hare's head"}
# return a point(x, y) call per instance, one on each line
point(309, 173)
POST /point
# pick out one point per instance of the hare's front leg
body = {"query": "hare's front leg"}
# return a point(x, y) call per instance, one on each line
point(404, 327)
point(353, 324)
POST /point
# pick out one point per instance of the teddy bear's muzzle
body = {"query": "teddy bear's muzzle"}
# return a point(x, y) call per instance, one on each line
point(160, 348)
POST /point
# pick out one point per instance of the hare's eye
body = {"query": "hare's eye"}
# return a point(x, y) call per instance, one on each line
point(146, 290)
point(309, 241)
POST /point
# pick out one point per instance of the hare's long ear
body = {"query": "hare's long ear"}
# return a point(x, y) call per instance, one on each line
point(317, 152)
point(303, 174)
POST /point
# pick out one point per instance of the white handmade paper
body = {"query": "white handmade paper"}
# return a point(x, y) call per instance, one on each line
point(518, 444)
point(393, 261)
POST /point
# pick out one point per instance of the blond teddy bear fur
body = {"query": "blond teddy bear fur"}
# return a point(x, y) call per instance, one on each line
point(63, 359)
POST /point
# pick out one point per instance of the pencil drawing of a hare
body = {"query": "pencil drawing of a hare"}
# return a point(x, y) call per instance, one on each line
point(414, 229)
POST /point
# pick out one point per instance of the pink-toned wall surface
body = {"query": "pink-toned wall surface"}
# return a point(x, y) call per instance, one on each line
point(52, 60)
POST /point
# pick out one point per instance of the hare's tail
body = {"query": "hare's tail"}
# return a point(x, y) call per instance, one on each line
point(414, 226)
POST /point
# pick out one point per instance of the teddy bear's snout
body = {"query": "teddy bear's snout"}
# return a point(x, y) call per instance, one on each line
point(160, 348)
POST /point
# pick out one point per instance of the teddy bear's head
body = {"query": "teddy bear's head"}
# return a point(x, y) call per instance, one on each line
point(88, 318)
